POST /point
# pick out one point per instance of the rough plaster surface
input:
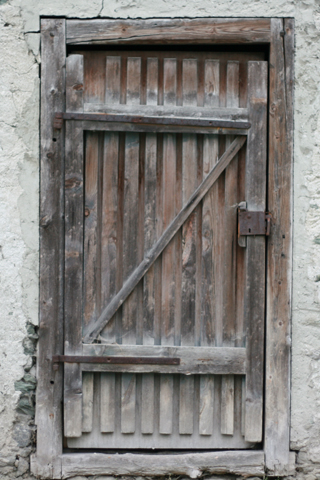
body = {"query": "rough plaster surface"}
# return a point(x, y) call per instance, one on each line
point(19, 179)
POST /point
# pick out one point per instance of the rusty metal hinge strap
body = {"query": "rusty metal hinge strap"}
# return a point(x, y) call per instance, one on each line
point(56, 359)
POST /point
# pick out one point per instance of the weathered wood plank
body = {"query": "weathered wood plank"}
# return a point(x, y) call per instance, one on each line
point(191, 465)
point(113, 88)
point(186, 404)
point(206, 405)
point(147, 403)
point(255, 251)
point(168, 234)
point(229, 252)
point(131, 313)
point(178, 31)
point(192, 359)
point(166, 404)
point(73, 248)
point(107, 402)
point(87, 401)
point(226, 114)
point(128, 403)
point(277, 422)
point(50, 384)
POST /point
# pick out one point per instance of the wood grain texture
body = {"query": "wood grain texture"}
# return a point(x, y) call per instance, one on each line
point(94, 329)
point(192, 464)
point(107, 402)
point(73, 248)
point(177, 31)
point(279, 269)
point(87, 401)
point(229, 253)
point(255, 251)
point(50, 384)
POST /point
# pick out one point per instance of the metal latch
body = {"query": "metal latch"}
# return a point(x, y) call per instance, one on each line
point(253, 223)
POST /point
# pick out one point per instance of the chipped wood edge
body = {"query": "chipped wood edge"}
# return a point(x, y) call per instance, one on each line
point(191, 464)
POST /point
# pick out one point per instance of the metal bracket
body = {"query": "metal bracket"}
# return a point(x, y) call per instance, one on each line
point(253, 223)
point(56, 359)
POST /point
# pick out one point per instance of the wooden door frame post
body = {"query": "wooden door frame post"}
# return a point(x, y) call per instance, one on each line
point(56, 34)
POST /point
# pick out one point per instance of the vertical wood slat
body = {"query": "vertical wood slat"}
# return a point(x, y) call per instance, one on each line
point(73, 248)
point(209, 232)
point(255, 251)
point(110, 240)
point(150, 237)
point(87, 401)
point(189, 245)
point(230, 244)
point(279, 274)
point(49, 388)
point(168, 255)
point(130, 312)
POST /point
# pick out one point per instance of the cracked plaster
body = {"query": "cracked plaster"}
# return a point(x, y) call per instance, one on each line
point(19, 185)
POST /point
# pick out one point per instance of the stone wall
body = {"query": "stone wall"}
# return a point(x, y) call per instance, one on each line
point(19, 203)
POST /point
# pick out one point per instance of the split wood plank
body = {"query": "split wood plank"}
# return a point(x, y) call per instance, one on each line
point(94, 329)
point(229, 251)
point(209, 233)
point(255, 251)
point(178, 31)
point(130, 310)
point(279, 269)
point(73, 248)
point(50, 384)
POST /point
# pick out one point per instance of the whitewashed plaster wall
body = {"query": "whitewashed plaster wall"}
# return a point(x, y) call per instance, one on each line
point(19, 202)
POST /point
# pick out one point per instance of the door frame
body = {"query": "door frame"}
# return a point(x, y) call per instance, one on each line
point(50, 461)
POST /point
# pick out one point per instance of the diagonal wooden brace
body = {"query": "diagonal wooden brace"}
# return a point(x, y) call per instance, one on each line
point(94, 328)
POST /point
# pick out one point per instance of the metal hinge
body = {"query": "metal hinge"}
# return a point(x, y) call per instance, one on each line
point(56, 359)
point(252, 223)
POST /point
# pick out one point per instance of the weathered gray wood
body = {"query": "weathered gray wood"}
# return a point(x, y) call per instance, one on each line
point(192, 464)
point(230, 255)
point(186, 404)
point(147, 403)
point(206, 405)
point(255, 251)
point(178, 31)
point(227, 405)
point(50, 384)
point(216, 360)
point(87, 401)
point(279, 271)
point(107, 402)
point(131, 313)
point(73, 248)
point(165, 238)
point(161, 128)
point(128, 403)
point(166, 404)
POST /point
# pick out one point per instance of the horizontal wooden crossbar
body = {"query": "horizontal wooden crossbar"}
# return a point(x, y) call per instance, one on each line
point(94, 328)
point(192, 360)
point(151, 120)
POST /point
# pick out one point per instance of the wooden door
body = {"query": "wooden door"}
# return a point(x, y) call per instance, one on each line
point(161, 147)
